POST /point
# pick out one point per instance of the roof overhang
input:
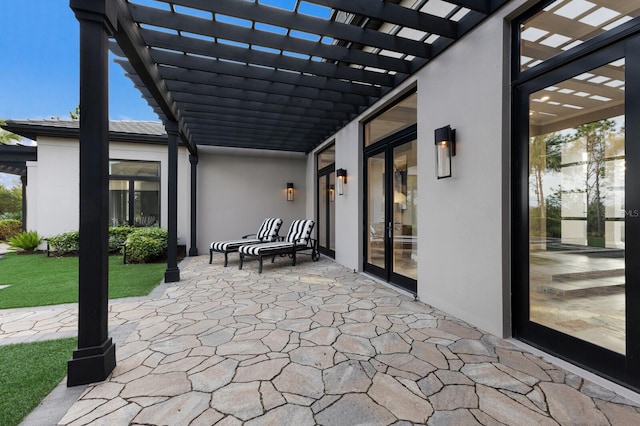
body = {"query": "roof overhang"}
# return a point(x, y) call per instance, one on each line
point(13, 158)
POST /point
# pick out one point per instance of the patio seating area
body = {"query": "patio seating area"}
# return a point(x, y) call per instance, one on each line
point(310, 344)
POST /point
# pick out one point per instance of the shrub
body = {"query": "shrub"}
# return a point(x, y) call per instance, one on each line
point(146, 244)
point(9, 228)
point(15, 216)
point(117, 237)
point(67, 242)
point(27, 241)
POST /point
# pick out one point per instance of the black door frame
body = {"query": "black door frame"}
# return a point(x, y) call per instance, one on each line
point(325, 171)
point(386, 146)
point(623, 369)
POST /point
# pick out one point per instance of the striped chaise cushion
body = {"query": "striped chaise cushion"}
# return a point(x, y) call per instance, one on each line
point(299, 234)
point(232, 245)
point(269, 229)
point(300, 231)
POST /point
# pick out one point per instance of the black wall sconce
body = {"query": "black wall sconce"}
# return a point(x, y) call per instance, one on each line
point(445, 149)
point(342, 180)
point(289, 191)
point(332, 193)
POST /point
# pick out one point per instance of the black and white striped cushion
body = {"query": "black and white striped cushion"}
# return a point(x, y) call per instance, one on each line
point(232, 245)
point(298, 235)
point(263, 248)
point(300, 231)
point(269, 229)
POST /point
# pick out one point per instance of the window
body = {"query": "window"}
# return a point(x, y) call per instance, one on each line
point(134, 193)
point(565, 24)
point(399, 117)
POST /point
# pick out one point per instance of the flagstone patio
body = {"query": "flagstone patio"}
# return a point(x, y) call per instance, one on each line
point(310, 344)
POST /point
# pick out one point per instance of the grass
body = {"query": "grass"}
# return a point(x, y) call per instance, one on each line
point(38, 280)
point(29, 372)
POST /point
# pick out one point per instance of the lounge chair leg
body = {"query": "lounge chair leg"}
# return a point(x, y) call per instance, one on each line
point(273, 258)
point(294, 257)
point(225, 259)
point(241, 260)
point(210, 256)
point(260, 265)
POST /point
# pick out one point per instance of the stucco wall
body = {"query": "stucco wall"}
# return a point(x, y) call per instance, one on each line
point(53, 184)
point(238, 190)
point(463, 234)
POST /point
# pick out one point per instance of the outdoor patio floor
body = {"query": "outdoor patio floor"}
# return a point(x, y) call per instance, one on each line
point(310, 344)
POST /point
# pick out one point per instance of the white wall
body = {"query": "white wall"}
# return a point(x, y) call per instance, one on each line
point(238, 189)
point(149, 152)
point(56, 188)
point(53, 184)
point(463, 221)
point(460, 225)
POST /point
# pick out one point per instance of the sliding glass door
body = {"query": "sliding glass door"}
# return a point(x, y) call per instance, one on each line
point(576, 206)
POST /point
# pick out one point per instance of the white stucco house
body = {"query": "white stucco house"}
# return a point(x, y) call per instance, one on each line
point(523, 222)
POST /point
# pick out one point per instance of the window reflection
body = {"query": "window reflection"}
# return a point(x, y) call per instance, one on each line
point(134, 193)
point(565, 24)
point(396, 118)
point(576, 207)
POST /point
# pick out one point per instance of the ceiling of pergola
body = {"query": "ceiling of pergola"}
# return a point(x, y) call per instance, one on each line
point(248, 74)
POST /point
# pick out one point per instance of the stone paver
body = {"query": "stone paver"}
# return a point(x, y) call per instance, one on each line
point(310, 344)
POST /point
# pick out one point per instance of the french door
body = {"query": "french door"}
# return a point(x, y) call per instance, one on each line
point(391, 207)
point(577, 211)
point(326, 210)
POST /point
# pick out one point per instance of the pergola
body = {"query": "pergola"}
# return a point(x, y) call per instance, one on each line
point(262, 74)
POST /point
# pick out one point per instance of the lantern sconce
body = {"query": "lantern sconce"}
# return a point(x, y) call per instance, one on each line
point(289, 191)
point(445, 142)
point(332, 193)
point(342, 180)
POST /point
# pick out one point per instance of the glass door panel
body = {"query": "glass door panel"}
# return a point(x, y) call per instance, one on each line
point(118, 202)
point(376, 211)
point(405, 210)
point(576, 198)
point(146, 203)
point(322, 208)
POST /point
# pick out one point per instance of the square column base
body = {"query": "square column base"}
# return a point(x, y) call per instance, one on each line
point(172, 275)
point(91, 365)
point(193, 251)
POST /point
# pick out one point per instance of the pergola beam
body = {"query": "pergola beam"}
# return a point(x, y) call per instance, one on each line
point(133, 46)
point(252, 36)
point(308, 24)
point(395, 14)
point(265, 59)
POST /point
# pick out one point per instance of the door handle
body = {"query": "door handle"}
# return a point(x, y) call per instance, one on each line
point(390, 230)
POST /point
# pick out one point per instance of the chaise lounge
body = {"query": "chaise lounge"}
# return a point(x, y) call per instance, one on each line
point(267, 232)
point(298, 239)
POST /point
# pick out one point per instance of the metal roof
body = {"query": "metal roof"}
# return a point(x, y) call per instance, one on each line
point(13, 158)
point(279, 74)
point(120, 130)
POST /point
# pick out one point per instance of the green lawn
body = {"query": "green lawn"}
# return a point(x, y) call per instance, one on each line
point(38, 280)
point(28, 372)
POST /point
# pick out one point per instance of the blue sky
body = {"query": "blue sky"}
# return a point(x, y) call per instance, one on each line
point(39, 65)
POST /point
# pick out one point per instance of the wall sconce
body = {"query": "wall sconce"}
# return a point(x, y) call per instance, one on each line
point(332, 193)
point(342, 180)
point(289, 191)
point(445, 149)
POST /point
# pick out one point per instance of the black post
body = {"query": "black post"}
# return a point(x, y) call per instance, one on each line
point(95, 357)
point(172, 274)
point(23, 180)
point(193, 159)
